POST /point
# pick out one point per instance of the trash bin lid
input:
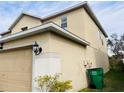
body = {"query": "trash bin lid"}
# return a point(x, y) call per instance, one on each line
point(94, 73)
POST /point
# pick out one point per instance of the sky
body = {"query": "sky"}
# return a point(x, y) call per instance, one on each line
point(109, 13)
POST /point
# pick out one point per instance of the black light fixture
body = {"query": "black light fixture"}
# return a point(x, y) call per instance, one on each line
point(37, 49)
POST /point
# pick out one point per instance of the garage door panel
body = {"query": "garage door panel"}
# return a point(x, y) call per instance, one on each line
point(14, 83)
point(11, 87)
point(19, 58)
point(15, 76)
point(18, 67)
point(16, 70)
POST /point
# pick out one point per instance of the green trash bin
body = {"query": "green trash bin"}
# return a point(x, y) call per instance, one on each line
point(96, 78)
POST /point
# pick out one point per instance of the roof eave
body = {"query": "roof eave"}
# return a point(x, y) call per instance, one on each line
point(81, 5)
point(84, 4)
point(64, 11)
point(6, 32)
point(44, 28)
point(19, 17)
point(89, 10)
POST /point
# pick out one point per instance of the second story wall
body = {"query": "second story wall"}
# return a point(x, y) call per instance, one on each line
point(93, 34)
point(80, 23)
point(75, 21)
point(25, 21)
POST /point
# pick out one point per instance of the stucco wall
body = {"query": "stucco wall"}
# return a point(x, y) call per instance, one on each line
point(81, 24)
point(75, 21)
point(101, 60)
point(26, 21)
point(92, 34)
point(42, 39)
point(70, 54)
point(72, 58)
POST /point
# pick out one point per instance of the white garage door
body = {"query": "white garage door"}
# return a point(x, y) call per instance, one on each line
point(16, 70)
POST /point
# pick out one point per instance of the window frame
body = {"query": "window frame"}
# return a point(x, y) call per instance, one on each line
point(64, 22)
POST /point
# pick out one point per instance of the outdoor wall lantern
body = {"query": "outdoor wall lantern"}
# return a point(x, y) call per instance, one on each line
point(37, 50)
point(1, 46)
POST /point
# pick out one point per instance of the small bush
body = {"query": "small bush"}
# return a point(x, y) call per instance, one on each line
point(50, 83)
point(116, 63)
point(120, 66)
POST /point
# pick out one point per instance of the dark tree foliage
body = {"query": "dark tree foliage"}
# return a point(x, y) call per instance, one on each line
point(116, 45)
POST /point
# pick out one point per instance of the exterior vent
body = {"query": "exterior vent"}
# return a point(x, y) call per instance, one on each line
point(24, 28)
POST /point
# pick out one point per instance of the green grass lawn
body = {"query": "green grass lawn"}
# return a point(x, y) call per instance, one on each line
point(114, 82)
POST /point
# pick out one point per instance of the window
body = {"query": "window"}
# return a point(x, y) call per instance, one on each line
point(24, 28)
point(100, 37)
point(98, 33)
point(64, 22)
point(102, 42)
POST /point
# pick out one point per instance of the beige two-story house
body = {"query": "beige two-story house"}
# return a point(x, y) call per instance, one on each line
point(67, 42)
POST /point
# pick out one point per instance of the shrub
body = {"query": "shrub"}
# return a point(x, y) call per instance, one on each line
point(50, 83)
point(116, 63)
point(120, 66)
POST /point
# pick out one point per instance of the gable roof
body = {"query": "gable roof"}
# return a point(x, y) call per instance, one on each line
point(17, 20)
point(94, 18)
point(83, 4)
point(20, 16)
point(77, 6)
point(5, 32)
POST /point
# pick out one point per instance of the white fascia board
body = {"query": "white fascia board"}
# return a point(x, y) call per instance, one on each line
point(44, 28)
point(65, 10)
point(25, 33)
